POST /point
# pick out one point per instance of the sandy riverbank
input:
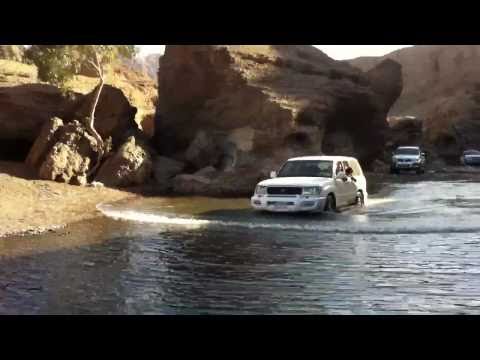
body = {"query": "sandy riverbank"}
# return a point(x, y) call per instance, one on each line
point(30, 206)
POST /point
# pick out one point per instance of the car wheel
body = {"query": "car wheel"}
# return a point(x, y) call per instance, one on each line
point(331, 204)
point(360, 200)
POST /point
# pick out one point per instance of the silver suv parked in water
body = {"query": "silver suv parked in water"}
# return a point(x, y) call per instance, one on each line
point(408, 158)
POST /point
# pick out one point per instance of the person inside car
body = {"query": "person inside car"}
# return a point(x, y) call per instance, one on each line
point(349, 173)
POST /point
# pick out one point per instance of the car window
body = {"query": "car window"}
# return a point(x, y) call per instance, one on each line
point(307, 168)
point(356, 168)
point(339, 168)
point(407, 151)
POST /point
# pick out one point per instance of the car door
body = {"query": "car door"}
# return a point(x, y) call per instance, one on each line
point(361, 183)
point(341, 192)
point(350, 186)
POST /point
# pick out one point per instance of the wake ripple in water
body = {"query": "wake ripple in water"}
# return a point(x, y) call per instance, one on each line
point(324, 226)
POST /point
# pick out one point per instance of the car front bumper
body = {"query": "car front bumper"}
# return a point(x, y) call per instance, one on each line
point(407, 166)
point(288, 204)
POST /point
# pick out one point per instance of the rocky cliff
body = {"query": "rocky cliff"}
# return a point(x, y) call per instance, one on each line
point(441, 87)
point(244, 109)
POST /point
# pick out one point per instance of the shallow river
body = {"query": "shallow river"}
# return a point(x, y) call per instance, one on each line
point(415, 249)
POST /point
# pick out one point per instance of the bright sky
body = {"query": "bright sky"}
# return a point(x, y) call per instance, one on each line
point(338, 52)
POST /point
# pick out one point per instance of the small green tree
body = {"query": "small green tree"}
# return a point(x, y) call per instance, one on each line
point(59, 63)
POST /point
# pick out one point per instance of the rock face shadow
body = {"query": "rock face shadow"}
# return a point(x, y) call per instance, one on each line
point(17, 169)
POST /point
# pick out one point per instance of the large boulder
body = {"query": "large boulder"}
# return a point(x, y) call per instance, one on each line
point(71, 157)
point(114, 115)
point(187, 184)
point(26, 108)
point(252, 106)
point(46, 139)
point(130, 165)
point(164, 170)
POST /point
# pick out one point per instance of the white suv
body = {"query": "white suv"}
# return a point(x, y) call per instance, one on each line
point(312, 183)
point(408, 158)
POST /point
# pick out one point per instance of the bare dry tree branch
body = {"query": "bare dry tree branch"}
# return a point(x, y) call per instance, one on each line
point(94, 65)
point(99, 64)
point(91, 122)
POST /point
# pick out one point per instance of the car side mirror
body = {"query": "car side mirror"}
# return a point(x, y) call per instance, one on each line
point(273, 174)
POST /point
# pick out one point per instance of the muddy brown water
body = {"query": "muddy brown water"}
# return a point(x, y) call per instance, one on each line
point(414, 250)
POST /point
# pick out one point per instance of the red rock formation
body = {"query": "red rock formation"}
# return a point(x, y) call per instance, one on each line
point(247, 108)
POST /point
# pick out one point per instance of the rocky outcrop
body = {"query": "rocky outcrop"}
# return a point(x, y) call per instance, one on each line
point(66, 152)
point(386, 81)
point(139, 90)
point(130, 165)
point(441, 86)
point(71, 156)
point(43, 125)
point(26, 108)
point(431, 74)
point(248, 108)
point(114, 116)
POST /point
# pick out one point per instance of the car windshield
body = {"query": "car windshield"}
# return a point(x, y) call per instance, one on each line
point(307, 168)
point(407, 151)
point(472, 152)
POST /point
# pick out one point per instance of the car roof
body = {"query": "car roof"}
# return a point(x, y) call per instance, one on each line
point(327, 158)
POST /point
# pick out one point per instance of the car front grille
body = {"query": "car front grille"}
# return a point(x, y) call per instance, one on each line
point(273, 203)
point(284, 190)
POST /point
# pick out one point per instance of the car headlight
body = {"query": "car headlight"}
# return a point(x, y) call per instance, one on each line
point(261, 190)
point(312, 190)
